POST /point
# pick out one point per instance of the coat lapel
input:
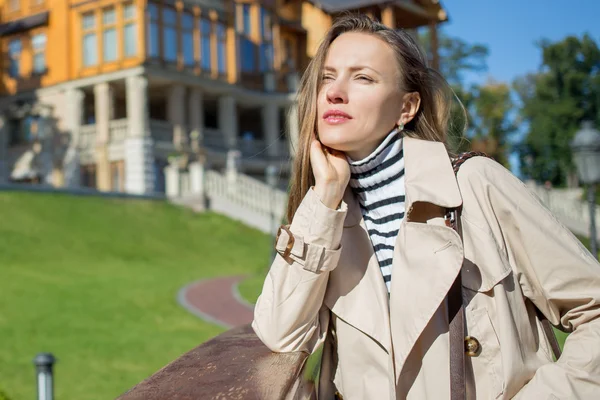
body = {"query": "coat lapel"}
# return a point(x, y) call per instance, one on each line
point(428, 255)
point(356, 292)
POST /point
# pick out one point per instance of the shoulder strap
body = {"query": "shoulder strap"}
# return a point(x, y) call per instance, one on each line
point(456, 310)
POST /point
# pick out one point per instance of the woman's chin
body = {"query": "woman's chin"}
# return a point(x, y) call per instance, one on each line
point(335, 142)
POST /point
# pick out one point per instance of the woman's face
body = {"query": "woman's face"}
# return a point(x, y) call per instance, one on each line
point(359, 100)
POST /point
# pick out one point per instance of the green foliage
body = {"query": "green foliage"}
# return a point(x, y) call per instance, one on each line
point(487, 124)
point(94, 281)
point(492, 125)
point(3, 396)
point(555, 100)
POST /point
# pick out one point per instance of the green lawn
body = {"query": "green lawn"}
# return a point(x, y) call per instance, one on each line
point(94, 281)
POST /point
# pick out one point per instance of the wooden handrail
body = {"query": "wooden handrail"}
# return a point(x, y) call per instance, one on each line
point(233, 365)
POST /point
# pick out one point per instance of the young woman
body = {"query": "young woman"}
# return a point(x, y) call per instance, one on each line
point(367, 263)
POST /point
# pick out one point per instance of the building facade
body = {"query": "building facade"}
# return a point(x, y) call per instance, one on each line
point(107, 93)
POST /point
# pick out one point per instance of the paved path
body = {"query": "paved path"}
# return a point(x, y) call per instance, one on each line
point(218, 301)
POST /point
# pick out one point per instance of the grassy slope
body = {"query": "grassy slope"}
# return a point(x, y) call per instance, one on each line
point(95, 281)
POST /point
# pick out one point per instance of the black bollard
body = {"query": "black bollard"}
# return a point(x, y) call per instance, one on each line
point(45, 380)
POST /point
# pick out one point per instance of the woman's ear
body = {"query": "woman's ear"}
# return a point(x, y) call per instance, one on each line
point(410, 106)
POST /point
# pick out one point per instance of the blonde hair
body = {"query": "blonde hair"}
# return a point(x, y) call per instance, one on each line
point(430, 122)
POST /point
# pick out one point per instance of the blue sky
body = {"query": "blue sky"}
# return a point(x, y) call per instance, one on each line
point(510, 27)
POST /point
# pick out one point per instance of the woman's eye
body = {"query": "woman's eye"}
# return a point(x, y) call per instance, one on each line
point(327, 78)
point(364, 78)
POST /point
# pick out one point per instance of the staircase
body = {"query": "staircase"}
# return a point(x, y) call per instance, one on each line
point(236, 195)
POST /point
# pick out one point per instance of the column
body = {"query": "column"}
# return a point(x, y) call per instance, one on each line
point(388, 17)
point(102, 97)
point(435, 57)
point(271, 128)
point(139, 149)
point(196, 113)
point(293, 128)
point(176, 114)
point(228, 120)
point(4, 132)
point(73, 118)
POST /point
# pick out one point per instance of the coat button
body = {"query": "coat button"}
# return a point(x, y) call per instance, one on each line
point(472, 346)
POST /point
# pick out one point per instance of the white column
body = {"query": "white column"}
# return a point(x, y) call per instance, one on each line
point(74, 118)
point(102, 100)
point(293, 128)
point(139, 150)
point(228, 120)
point(102, 108)
point(4, 132)
point(196, 114)
point(176, 113)
point(271, 128)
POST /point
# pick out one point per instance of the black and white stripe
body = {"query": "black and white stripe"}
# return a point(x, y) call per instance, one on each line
point(378, 182)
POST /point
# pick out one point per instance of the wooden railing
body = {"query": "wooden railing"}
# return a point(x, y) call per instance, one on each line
point(234, 365)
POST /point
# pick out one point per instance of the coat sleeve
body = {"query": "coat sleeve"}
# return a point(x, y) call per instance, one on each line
point(555, 272)
point(289, 314)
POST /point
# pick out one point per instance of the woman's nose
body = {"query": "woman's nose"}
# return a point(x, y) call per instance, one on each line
point(337, 93)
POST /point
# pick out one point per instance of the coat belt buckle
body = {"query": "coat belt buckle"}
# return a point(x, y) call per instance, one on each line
point(290, 242)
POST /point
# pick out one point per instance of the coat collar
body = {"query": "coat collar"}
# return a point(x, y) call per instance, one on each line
point(428, 178)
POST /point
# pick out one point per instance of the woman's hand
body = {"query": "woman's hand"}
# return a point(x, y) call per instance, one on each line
point(332, 173)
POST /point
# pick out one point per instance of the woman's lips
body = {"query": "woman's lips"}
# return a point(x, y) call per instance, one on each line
point(336, 117)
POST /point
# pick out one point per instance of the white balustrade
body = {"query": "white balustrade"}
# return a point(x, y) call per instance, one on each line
point(87, 137)
point(248, 192)
point(118, 130)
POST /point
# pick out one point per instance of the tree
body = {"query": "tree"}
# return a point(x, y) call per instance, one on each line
point(555, 100)
point(457, 57)
point(491, 122)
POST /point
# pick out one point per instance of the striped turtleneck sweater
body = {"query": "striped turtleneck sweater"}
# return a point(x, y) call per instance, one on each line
point(378, 182)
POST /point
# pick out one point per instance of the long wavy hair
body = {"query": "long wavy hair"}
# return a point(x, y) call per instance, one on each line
point(430, 122)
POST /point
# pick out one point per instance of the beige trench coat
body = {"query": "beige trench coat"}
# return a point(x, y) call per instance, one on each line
point(517, 257)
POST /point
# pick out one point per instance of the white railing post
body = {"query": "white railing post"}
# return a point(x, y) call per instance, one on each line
point(231, 171)
point(197, 178)
point(172, 180)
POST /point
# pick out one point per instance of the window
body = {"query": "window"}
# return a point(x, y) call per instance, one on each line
point(205, 31)
point(266, 25)
point(289, 54)
point(88, 175)
point(248, 50)
point(109, 35)
point(129, 30)
point(38, 44)
point(14, 57)
point(244, 24)
point(266, 47)
point(187, 26)
point(221, 48)
point(153, 31)
point(23, 131)
point(90, 45)
point(170, 34)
